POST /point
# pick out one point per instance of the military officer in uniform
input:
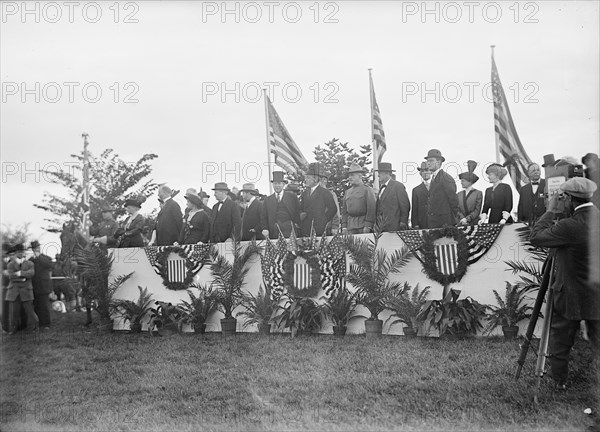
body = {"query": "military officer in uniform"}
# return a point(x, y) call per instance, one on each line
point(358, 208)
point(104, 232)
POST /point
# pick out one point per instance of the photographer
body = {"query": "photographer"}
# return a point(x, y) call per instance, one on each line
point(576, 278)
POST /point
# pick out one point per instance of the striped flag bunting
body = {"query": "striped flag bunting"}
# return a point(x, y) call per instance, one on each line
point(196, 253)
point(176, 270)
point(302, 275)
point(446, 258)
point(479, 239)
point(272, 265)
point(376, 125)
point(332, 262)
point(508, 144)
point(287, 154)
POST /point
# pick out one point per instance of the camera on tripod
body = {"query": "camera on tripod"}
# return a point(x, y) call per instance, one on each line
point(559, 171)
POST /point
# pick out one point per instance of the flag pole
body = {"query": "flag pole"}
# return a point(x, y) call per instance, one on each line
point(86, 188)
point(268, 140)
point(495, 140)
point(373, 142)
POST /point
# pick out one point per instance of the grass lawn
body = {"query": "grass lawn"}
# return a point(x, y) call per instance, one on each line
point(69, 379)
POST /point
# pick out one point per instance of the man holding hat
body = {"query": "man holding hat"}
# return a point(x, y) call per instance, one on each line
point(251, 227)
point(196, 223)
point(531, 196)
point(575, 243)
point(470, 199)
point(20, 289)
point(42, 284)
point(393, 206)
point(442, 207)
point(420, 196)
point(281, 210)
point(104, 232)
point(317, 207)
point(358, 208)
point(226, 215)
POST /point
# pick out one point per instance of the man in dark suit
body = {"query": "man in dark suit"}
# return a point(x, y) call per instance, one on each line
point(392, 205)
point(317, 205)
point(420, 197)
point(575, 243)
point(20, 290)
point(531, 196)
point(169, 220)
point(592, 172)
point(42, 284)
point(226, 215)
point(442, 206)
point(281, 210)
point(251, 225)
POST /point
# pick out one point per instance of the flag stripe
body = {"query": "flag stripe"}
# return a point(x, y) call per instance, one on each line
point(287, 154)
point(377, 125)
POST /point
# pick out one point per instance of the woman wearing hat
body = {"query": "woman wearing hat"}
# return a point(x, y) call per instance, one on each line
point(498, 198)
point(196, 223)
point(469, 199)
point(130, 233)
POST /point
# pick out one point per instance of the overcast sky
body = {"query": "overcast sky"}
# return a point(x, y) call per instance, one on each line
point(181, 80)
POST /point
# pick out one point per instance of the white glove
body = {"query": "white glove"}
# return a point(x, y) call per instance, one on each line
point(265, 233)
point(482, 218)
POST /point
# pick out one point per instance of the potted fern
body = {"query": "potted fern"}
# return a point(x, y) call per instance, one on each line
point(369, 274)
point(134, 311)
point(258, 309)
point(339, 308)
point(510, 311)
point(228, 280)
point(165, 319)
point(301, 314)
point(196, 311)
point(405, 305)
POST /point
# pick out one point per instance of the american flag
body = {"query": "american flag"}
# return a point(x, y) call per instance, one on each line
point(176, 270)
point(508, 144)
point(446, 257)
point(272, 265)
point(302, 275)
point(293, 241)
point(287, 154)
point(332, 261)
point(379, 145)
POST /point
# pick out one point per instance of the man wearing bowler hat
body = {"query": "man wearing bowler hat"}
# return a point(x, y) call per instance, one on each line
point(20, 290)
point(226, 215)
point(393, 205)
point(251, 227)
point(358, 207)
point(317, 207)
point(575, 243)
point(281, 210)
point(442, 206)
point(420, 197)
point(42, 284)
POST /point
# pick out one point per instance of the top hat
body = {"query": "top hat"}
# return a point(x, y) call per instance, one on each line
point(469, 175)
point(589, 156)
point(435, 153)
point(355, 168)
point(385, 167)
point(194, 199)
point(579, 187)
point(221, 186)
point(314, 169)
point(35, 244)
point(135, 202)
point(278, 177)
point(424, 167)
point(249, 187)
point(548, 160)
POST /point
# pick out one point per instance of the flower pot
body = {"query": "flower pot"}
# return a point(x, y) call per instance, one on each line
point(228, 326)
point(200, 328)
point(410, 331)
point(339, 330)
point(373, 328)
point(510, 332)
point(264, 329)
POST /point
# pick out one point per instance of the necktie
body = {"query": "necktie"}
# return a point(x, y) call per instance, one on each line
point(535, 183)
point(381, 189)
point(219, 206)
point(427, 186)
point(278, 197)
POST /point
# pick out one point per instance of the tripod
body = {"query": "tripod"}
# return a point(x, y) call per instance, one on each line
point(543, 345)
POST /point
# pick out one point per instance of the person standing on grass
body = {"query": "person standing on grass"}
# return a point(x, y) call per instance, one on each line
point(20, 290)
point(42, 284)
point(575, 243)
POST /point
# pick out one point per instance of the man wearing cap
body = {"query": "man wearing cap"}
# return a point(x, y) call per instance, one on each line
point(281, 210)
point(531, 196)
point(251, 227)
point(42, 284)
point(592, 172)
point(575, 243)
point(358, 207)
point(226, 215)
point(317, 207)
point(104, 232)
point(20, 289)
point(420, 196)
point(169, 220)
point(442, 206)
point(196, 223)
point(393, 206)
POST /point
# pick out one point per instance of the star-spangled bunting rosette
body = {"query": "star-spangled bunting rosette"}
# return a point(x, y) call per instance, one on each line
point(195, 253)
point(332, 261)
point(479, 239)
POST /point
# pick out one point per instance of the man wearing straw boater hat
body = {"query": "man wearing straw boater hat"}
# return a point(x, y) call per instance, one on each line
point(358, 207)
point(420, 197)
point(251, 227)
point(281, 210)
point(442, 207)
point(317, 205)
point(393, 206)
point(226, 215)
